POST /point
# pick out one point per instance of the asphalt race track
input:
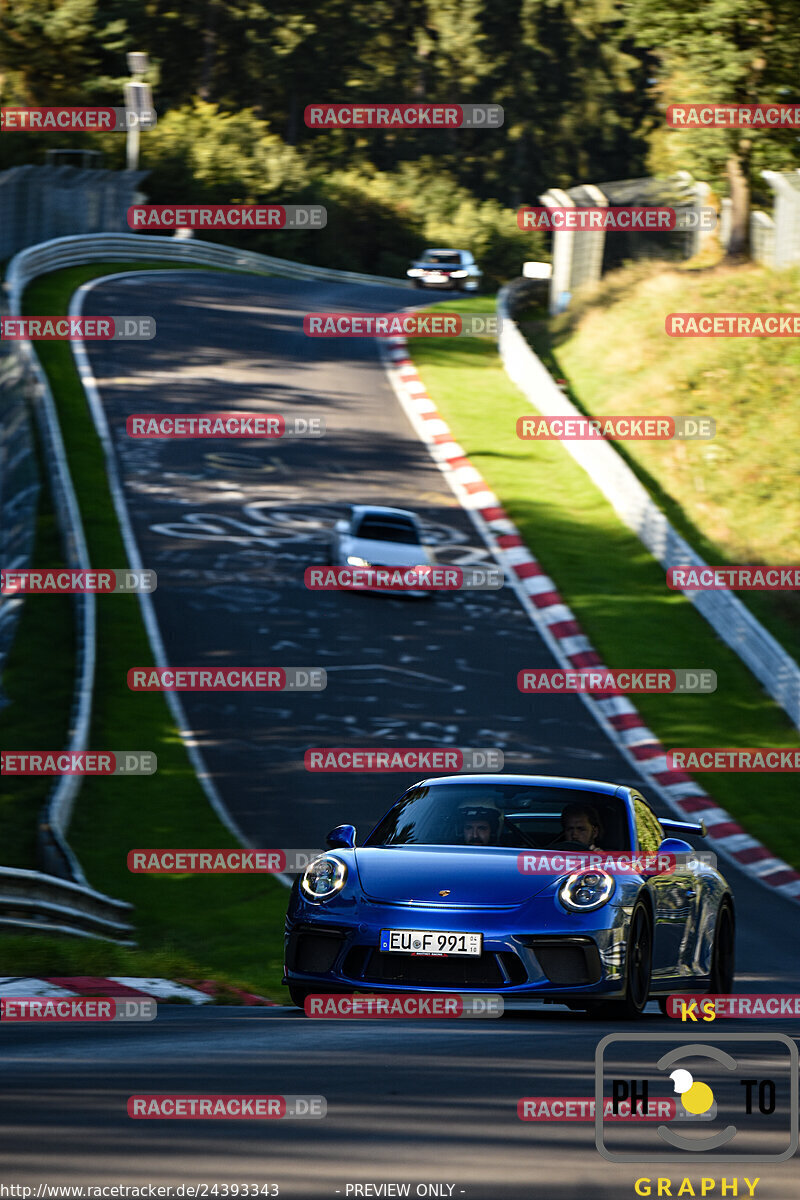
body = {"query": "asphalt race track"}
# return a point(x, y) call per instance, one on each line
point(229, 527)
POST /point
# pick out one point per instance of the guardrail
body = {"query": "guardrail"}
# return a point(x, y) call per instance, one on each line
point(37, 906)
point(30, 900)
point(139, 247)
point(53, 851)
point(19, 490)
point(776, 670)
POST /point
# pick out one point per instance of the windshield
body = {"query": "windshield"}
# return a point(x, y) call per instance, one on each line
point(520, 815)
point(387, 530)
point(450, 258)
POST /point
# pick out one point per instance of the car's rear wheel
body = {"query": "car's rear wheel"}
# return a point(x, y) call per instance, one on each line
point(723, 955)
point(638, 968)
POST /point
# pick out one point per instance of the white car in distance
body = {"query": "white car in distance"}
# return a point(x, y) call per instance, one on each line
point(375, 536)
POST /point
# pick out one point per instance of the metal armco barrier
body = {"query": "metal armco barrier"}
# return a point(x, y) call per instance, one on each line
point(44, 904)
point(19, 491)
point(776, 670)
point(140, 247)
point(27, 891)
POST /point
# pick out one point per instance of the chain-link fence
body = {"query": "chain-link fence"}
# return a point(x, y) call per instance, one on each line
point(38, 203)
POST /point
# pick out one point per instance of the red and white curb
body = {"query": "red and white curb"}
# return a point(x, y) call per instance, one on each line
point(562, 633)
point(193, 991)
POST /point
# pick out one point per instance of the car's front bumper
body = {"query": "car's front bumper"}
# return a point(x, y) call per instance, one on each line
point(566, 960)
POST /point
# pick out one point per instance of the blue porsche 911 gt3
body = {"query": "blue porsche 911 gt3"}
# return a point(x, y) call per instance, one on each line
point(527, 886)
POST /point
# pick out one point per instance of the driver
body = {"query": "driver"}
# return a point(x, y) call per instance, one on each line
point(480, 823)
point(581, 824)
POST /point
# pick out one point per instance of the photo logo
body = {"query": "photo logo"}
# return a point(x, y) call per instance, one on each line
point(727, 1098)
point(404, 116)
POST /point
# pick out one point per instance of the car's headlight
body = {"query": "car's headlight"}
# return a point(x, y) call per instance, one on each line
point(414, 272)
point(459, 274)
point(353, 560)
point(583, 891)
point(323, 878)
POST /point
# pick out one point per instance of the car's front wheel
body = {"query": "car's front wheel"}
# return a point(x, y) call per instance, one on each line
point(638, 969)
point(298, 994)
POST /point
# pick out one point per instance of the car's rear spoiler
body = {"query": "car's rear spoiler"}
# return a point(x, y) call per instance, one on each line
point(670, 826)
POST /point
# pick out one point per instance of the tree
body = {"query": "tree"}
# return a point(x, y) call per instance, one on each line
point(721, 51)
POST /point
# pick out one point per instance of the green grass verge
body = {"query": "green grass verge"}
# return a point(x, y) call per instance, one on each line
point(222, 927)
point(614, 586)
point(38, 680)
point(735, 499)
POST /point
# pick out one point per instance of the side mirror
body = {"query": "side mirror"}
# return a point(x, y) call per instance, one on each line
point(343, 837)
point(672, 845)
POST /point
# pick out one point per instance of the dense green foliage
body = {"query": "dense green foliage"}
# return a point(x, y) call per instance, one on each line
point(584, 85)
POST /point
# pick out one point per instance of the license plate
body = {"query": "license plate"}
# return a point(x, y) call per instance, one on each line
point(427, 941)
point(436, 277)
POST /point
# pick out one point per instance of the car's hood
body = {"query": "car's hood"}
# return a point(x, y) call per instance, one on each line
point(391, 554)
point(470, 875)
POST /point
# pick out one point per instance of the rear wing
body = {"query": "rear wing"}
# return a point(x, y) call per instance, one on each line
point(669, 826)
